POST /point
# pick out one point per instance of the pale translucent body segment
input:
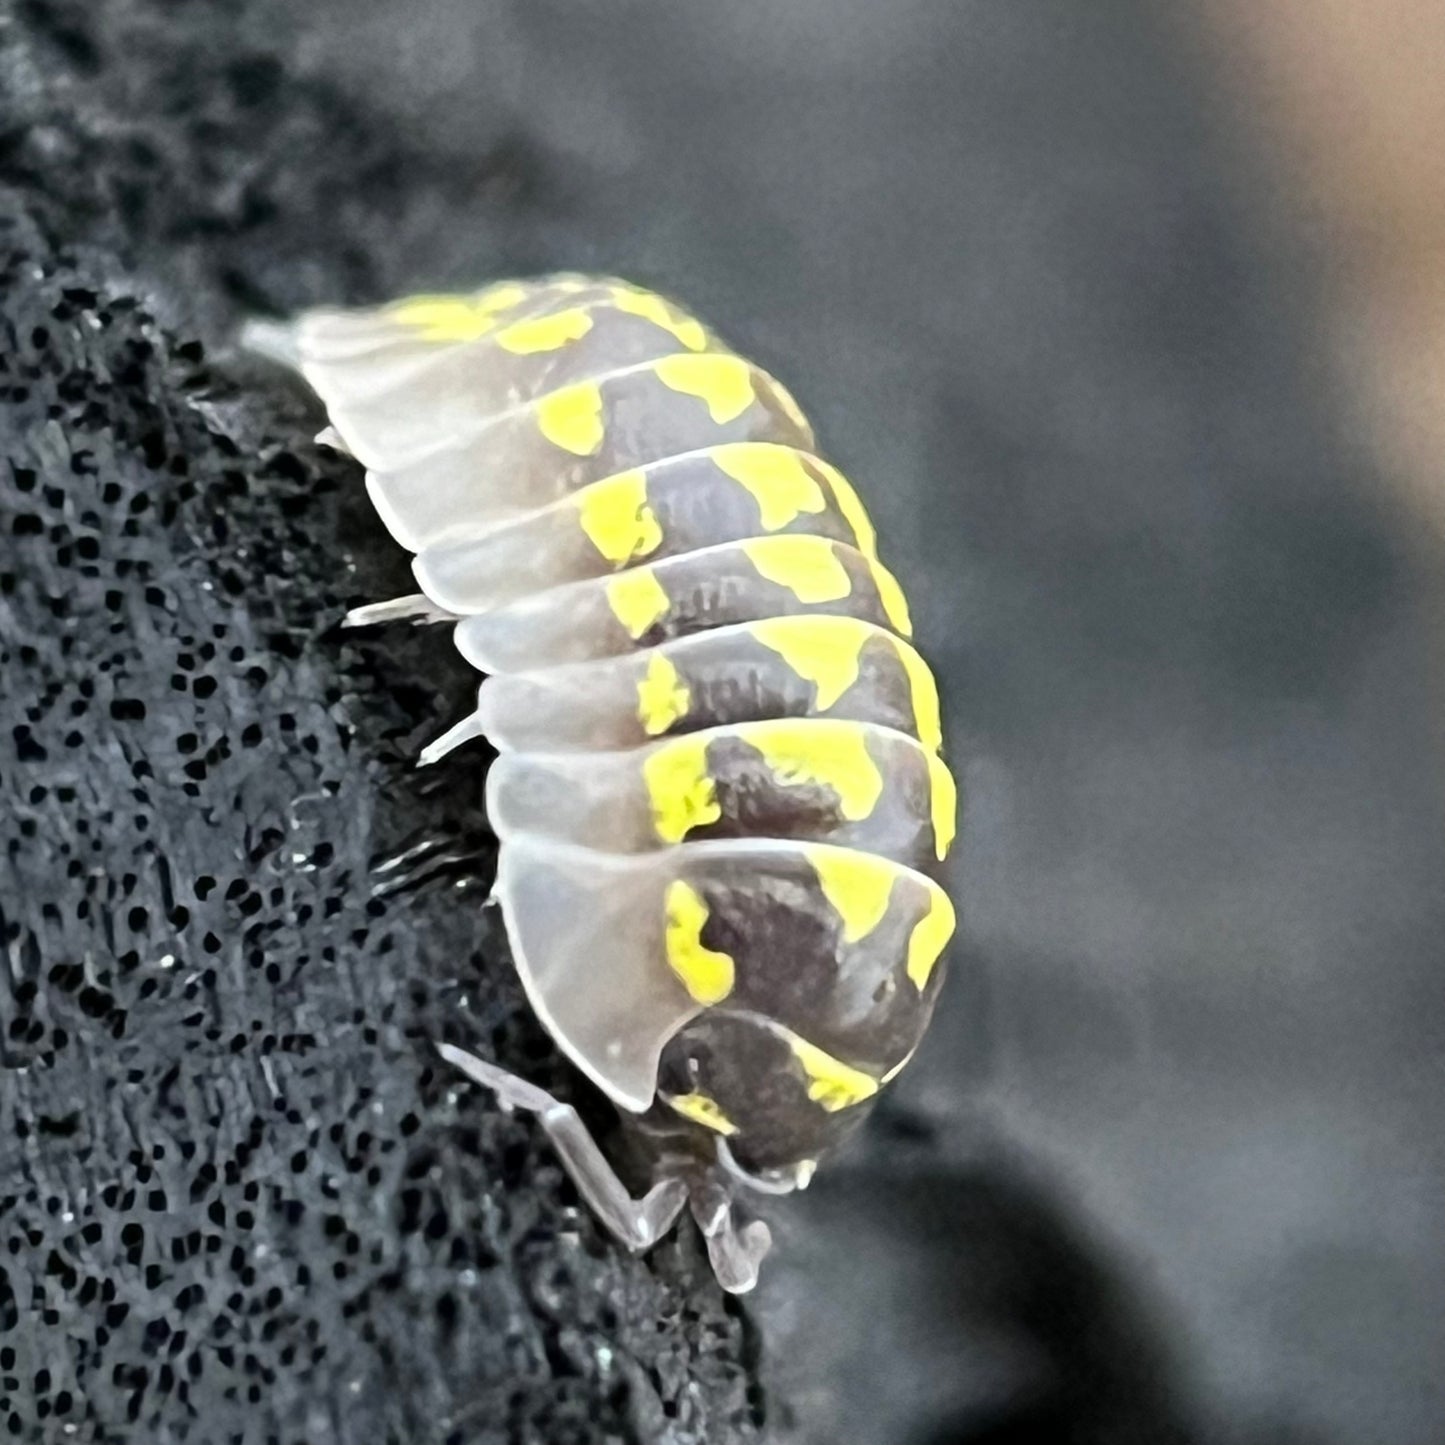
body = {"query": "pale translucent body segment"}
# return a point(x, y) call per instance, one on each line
point(417, 522)
point(618, 952)
point(440, 321)
point(448, 320)
point(594, 800)
point(401, 405)
point(854, 784)
point(558, 443)
point(539, 550)
point(334, 336)
point(604, 527)
point(587, 932)
point(760, 578)
point(680, 504)
point(349, 356)
point(802, 666)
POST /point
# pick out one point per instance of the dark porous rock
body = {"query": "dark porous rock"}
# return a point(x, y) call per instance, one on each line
point(240, 1197)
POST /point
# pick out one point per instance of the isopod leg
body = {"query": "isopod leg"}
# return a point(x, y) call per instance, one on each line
point(465, 731)
point(735, 1252)
point(637, 1224)
point(415, 608)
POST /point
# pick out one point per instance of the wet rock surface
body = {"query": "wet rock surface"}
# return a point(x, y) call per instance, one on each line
point(1166, 1167)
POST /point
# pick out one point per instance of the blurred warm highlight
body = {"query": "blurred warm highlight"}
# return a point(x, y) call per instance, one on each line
point(1350, 94)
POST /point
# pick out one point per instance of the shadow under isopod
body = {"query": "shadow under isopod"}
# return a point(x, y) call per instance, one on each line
point(958, 1306)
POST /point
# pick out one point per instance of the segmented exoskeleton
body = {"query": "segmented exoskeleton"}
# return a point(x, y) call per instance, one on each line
point(720, 798)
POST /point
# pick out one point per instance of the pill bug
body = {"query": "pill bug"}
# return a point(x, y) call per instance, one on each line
point(720, 800)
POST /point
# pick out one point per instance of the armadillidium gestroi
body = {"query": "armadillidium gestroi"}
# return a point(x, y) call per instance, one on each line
point(719, 794)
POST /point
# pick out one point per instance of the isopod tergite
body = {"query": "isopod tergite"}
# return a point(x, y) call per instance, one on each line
point(720, 798)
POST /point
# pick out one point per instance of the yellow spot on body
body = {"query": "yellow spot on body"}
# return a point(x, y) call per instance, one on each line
point(502, 297)
point(723, 383)
point(701, 1110)
point(458, 318)
point(895, 604)
point(831, 1083)
point(930, 934)
point(926, 714)
point(943, 792)
point(545, 333)
point(807, 566)
point(706, 974)
point(617, 520)
point(655, 309)
point(662, 696)
point(682, 795)
point(822, 650)
point(850, 508)
point(571, 418)
point(779, 482)
point(637, 599)
point(835, 754)
point(858, 885)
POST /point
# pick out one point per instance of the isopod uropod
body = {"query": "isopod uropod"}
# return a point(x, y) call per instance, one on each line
point(719, 795)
